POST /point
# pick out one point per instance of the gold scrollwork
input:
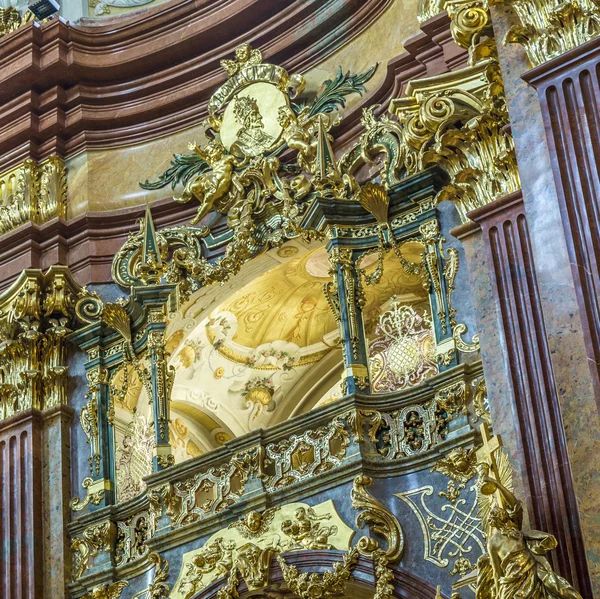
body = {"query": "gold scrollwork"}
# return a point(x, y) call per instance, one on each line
point(93, 495)
point(247, 545)
point(107, 591)
point(379, 518)
point(36, 313)
point(96, 539)
point(302, 456)
point(32, 192)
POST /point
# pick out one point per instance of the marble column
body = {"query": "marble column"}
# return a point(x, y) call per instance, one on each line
point(558, 291)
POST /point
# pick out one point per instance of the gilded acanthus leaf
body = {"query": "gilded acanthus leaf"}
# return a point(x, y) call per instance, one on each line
point(319, 586)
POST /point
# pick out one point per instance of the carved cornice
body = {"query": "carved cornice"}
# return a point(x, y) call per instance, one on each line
point(86, 243)
point(121, 81)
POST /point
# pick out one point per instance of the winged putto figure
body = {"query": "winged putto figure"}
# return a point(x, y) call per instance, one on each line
point(515, 566)
point(216, 189)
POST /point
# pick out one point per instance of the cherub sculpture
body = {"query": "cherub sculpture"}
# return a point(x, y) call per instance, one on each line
point(298, 137)
point(245, 56)
point(107, 591)
point(306, 531)
point(255, 524)
point(216, 558)
point(213, 188)
point(514, 566)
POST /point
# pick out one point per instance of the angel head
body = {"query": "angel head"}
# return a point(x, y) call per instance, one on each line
point(253, 521)
point(242, 53)
point(285, 116)
point(500, 519)
point(214, 151)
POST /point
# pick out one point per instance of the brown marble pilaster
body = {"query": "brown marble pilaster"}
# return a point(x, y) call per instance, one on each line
point(21, 558)
point(558, 289)
point(519, 369)
point(568, 92)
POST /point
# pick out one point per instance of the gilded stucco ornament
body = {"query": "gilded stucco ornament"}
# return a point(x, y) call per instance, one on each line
point(36, 315)
point(375, 515)
point(452, 532)
point(32, 192)
point(96, 539)
point(253, 118)
point(515, 565)
point(319, 586)
point(107, 591)
point(416, 428)
point(246, 546)
point(549, 28)
point(459, 465)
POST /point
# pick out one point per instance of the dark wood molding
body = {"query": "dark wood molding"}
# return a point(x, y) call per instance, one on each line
point(109, 83)
point(67, 87)
point(87, 243)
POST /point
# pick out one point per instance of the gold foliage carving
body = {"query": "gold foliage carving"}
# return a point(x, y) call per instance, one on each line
point(96, 539)
point(379, 518)
point(107, 591)
point(158, 589)
point(32, 192)
point(319, 586)
point(302, 456)
point(549, 28)
point(246, 546)
point(457, 120)
point(416, 428)
point(35, 315)
point(459, 465)
point(93, 495)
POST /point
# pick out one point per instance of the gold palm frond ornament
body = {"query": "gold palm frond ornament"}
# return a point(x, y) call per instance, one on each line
point(374, 198)
point(116, 318)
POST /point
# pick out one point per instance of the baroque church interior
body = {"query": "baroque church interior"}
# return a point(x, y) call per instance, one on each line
point(299, 299)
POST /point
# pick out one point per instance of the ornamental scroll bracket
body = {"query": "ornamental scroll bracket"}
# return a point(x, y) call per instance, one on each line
point(457, 120)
